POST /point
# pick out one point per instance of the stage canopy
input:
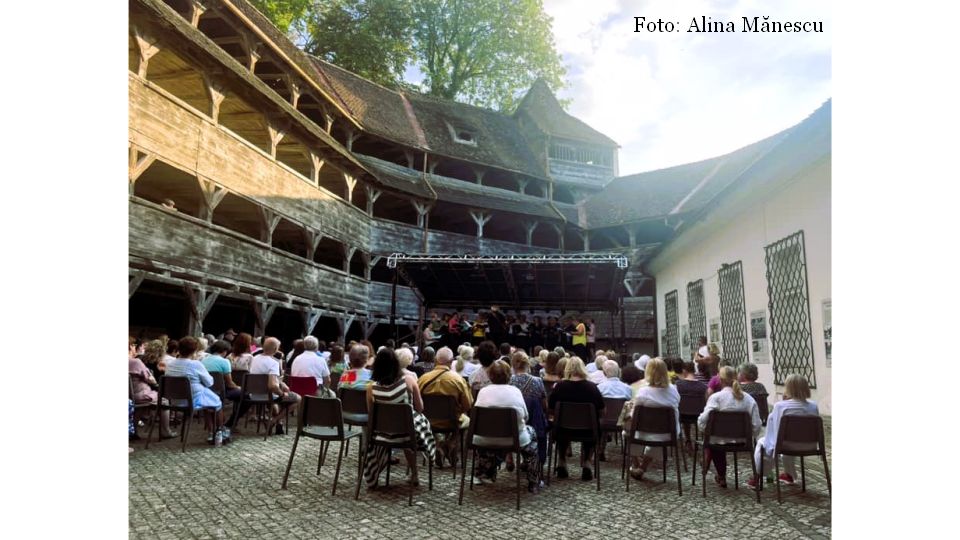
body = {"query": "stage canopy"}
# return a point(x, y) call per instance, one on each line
point(572, 282)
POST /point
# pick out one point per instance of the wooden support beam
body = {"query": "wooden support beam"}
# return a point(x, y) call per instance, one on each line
point(344, 322)
point(522, 184)
point(140, 161)
point(371, 261)
point(147, 46)
point(215, 93)
point(422, 209)
point(269, 219)
point(352, 136)
point(432, 165)
point(585, 235)
point(135, 280)
point(372, 195)
point(348, 252)
point(200, 301)
point(529, 227)
point(478, 174)
point(212, 196)
point(350, 182)
point(410, 158)
point(481, 218)
point(196, 11)
point(632, 233)
point(316, 164)
point(312, 238)
point(559, 230)
point(295, 92)
point(310, 319)
point(368, 328)
point(276, 133)
point(263, 312)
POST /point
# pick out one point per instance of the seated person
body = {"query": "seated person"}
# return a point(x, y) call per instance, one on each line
point(612, 386)
point(597, 376)
point(500, 393)
point(796, 400)
point(358, 376)
point(577, 389)
point(310, 363)
point(486, 353)
point(658, 392)
point(730, 397)
point(216, 362)
point(405, 357)
point(267, 364)
point(143, 392)
point(441, 380)
point(748, 380)
point(187, 365)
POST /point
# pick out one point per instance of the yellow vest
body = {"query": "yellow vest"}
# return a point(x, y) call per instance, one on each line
point(582, 338)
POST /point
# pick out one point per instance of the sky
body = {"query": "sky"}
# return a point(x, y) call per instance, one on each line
point(675, 98)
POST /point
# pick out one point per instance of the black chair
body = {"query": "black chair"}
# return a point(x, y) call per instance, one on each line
point(548, 387)
point(354, 402)
point(571, 422)
point(726, 431)
point(500, 422)
point(763, 406)
point(321, 419)
point(219, 386)
point(690, 408)
point(653, 421)
point(179, 398)
point(391, 426)
point(443, 408)
point(799, 435)
point(256, 391)
point(335, 380)
point(612, 407)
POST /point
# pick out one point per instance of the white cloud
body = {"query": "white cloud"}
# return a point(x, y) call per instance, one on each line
point(673, 98)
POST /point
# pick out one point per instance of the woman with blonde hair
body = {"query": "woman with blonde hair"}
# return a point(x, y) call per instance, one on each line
point(658, 392)
point(576, 388)
point(730, 397)
point(465, 365)
point(796, 400)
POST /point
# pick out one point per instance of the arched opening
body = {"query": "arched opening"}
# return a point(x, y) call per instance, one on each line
point(355, 331)
point(505, 227)
point(395, 208)
point(359, 198)
point(245, 121)
point(455, 169)
point(240, 215)
point(454, 218)
point(290, 237)
point(274, 77)
point(285, 325)
point(162, 182)
point(328, 331)
point(545, 235)
point(329, 253)
point(357, 264)
point(294, 154)
point(536, 188)
point(176, 76)
point(156, 309)
point(500, 179)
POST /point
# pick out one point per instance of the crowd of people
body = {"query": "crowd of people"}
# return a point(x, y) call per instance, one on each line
point(474, 373)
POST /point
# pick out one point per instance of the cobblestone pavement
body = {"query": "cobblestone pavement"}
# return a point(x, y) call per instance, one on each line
point(234, 492)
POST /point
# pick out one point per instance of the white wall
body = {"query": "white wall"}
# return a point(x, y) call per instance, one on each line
point(738, 229)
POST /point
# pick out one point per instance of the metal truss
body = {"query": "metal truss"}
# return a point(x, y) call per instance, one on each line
point(579, 258)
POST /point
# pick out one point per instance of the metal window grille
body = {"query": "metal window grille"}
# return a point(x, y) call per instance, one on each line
point(733, 314)
point(790, 335)
point(672, 318)
point(696, 313)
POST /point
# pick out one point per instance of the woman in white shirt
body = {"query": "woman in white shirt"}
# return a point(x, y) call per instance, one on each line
point(465, 364)
point(796, 400)
point(500, 393)
point(729, 398)
point(658, 392)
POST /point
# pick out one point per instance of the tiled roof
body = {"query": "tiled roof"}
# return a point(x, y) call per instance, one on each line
point(543, 108)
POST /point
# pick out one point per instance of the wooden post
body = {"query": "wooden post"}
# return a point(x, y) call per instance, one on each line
point(270, 220)
point(559, 231)
point(196, 11)
point(529, 227)
point(147, 47)
point(632, 233)
point(212, 196)
point(350, 182)
point(368, 328)
point(372, 195)
point(276, 133)
point(367, 266)
point(312, 238)
point(139, 163)
point(310, 319)
point(135, 280)
point(422, 210)
point(200, 302)
point(480, 218)
point(410, 158)
point(263, 312)
point(215, 93)
point(522, 185)
point(586, 240)
point(478, 173)
point(316, 163)
point(347, 256)
point(295, 91)
point(393, 305)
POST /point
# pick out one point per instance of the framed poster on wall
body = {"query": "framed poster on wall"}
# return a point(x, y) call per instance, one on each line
point(759, 343)
point(714, 333)
point(828, 331)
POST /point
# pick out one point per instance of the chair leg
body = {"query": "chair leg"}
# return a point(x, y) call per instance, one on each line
point(703, 472)
point(753, 467)
point(389, 457)
point(736, 473)
point(320, 457)
point(826, 473)
point(326, 448)
point(185, 433)
point(693, 458)
point(682, 453)
point(518, 479)
point(153, 420)
point(623, 460)
point(473, 466)
point(410, 486)
point(776, 480)
point(677, 465)
point(336, 474)
point(596, 467)
point(360, 459)
point(803, 476)
point(760, 479)
point(430, 473)
point(290, 461)
point(550, 446)
point(463, 479)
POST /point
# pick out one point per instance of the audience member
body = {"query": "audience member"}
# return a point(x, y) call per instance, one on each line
point(358, 376)
point(309, 363)
point(405, 357)
point(748, 380)
point(598, 376)
point(143, 392)
point(658, 392)
point(730, 397)
point(267, 364)
point(551, 372)
point(187, 365)
point(796, 400)
point(535, 397)
point(216, 362)
point(441, 380)
point(466, 364)
point(575, 388)
point(612, 386)
point(240, 356)
point(486, 354)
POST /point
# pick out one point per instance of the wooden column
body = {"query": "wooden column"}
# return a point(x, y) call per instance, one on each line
point(529, 227)
point(351, 136)
point(196, 11)
point(344, 321)
point(369, 261)
point(200, 301)
point(276, 133)
point(348, 252)
point(139, 162)
point(368, 328)
point(316, 164)
point(372, 195)
point(135, 280)
point(269, 219)
point(294, 87)
point(522, 185)
point(310, 319)
point(147, 47)
point(312, 238)
point(393, 305)
point(422, 209)
point(215, 93)
point(560, 239)
point(410, 158)
point(632, 233)
point(212, 196)
point(478, 174)
point(350, 182)
point(263, 312)
point(432, 165)
point(586, 240)
point(480, 218)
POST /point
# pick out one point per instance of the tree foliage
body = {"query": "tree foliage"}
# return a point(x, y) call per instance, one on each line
point(484, 52)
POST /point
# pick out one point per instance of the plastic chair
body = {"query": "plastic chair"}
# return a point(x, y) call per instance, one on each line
point(653, 421)
point(734, 428)
point(498, 422)
point(763, 406)
point(691, 406)
point(440, 408)
point(800, 435)
point(305, 386)
point(608, 422)
point(321, 419)
point(256, 391)
point(570, 421)
point(391, 426)
point(179, 398)
point(548, 387)
point(335, 380)
point(354, 401)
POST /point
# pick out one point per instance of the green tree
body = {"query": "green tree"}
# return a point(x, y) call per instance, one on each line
point(483, 52)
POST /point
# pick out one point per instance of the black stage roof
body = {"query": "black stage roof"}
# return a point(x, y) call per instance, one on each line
point(575, 282)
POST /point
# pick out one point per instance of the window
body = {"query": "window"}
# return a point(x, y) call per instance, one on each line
point(462, 135)
point(733, 314)
point(696, 314)
point(672, 321)
point(790, 335)
point(589, 156)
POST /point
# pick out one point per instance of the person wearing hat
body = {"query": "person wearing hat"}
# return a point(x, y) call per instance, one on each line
point(641, 362)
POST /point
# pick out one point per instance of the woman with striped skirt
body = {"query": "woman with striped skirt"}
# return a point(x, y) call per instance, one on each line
point(388, 385)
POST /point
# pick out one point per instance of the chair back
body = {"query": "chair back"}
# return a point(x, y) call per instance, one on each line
point(335, 380)
point(730, 425)
point(130, 381)
point(548, 386)
point(441, 408)
point(762, 405)
point(305, 386)
point(800, 434)
point(654, 421)
point(570, 415)
point(611, 411)
point(219, 385)
point(354, 401)
point(392, 420)
point(257, 387)
point(237, 376)
point(321, 412)
point(177, 391)
point(491, 422)
point(692, 405)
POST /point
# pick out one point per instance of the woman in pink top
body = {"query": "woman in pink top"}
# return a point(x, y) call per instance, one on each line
point(142, 390)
